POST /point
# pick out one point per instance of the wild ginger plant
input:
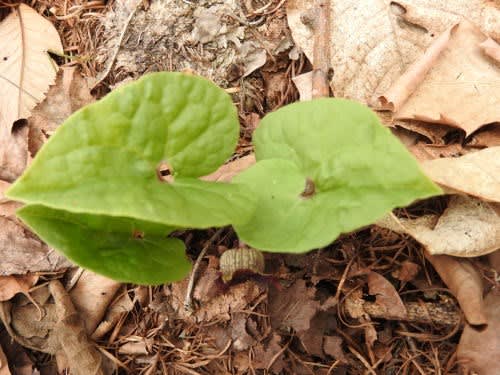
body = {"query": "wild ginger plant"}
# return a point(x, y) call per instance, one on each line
point(95, 193)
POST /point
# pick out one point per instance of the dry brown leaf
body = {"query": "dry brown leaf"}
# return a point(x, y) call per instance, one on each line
point(69, 93)
point(386, 296)
point(26, 72)
point(293, 307)
point(476, 174)
point(240, 337)
point(332, 346)
point(116, 311)
point(467, 228)
point(13, 152)
point(11, 285)
point(491, 48)
point(423, 151)
point(479, 351)
point(21, 251)
point(26, 68)
point(461, 72)
point(231, 169)
point(4, 365)
point(91, 296)
point(465, 283)
point(373, 43)
point(407, 271)
point(7, 207)
point(487, 136)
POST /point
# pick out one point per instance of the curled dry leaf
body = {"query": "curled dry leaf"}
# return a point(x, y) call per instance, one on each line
point(468, 227)
point(386, 296)
point(91, 296)
point(491, 48)
point(475, 173)
point(26, 72)
point(226, 172)
point(462, 72)
point(479, 350)
point(22, 252)
point(465, 283)
point(374, 43)
point(11, 285)
point(69, 93)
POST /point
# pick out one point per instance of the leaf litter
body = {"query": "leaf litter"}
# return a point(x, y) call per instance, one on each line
point(204, 342)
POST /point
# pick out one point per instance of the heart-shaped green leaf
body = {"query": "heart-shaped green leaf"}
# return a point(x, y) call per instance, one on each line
point(325, 167)
point(124, 249)
point(103, 160)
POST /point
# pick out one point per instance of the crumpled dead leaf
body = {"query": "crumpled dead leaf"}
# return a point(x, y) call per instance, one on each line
point(468, 227)
point(226, 172)
point(91, 296)
point(11, 285)
point(26, 72)
point(465, 283)
point(374, 43)
point(21, 251)
point(479, 350)
point(293, 307)
point(69, 93)
point(475, 173)
point(386, 296)
point(454, 66)
point(59, 331)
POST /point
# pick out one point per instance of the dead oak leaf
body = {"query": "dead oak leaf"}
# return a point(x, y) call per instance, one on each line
point(375, 41)
point(476, 173)
point(455, 66)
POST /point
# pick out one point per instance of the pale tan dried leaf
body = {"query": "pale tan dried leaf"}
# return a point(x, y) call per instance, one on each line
point(479, 350)
point(373, 43)
point(120, 307)
point(4, 365)
point(11, 285)
point(433, 132)
point(386, 296)
point(491, 48)
point(406, 84)
point(303, 83)
point(81, 353)
point(26, 68)
point(69, 93)
point(468, 227)
point(7, 207)
point(476, 174)
point(13, 152)
point(231, 169)
point(461, 72)
point(91, 297)
point(22, 252)
point(465, 283)
point(134, 348)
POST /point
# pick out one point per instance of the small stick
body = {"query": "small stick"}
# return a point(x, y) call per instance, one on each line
point(424, 312)
point(321, 51)
point(188, 302)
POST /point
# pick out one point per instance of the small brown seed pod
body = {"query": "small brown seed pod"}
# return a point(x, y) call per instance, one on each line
point(240, 259)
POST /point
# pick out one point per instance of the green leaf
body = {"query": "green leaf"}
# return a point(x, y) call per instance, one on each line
point(359, 170)
point(123, 249)
point(103, 160)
